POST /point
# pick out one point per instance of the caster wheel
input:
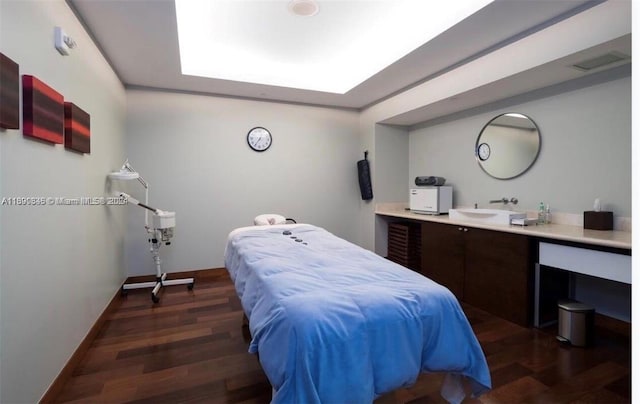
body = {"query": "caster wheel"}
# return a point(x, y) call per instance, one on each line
point(190, 286)
point(155, 298)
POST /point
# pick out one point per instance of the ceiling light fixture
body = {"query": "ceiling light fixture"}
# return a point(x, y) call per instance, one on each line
point(339, 48)
point(304, 8)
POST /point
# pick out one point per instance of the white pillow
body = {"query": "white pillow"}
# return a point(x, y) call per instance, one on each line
point(269, 218)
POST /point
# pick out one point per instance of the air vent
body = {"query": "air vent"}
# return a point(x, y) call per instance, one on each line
point(600, 61)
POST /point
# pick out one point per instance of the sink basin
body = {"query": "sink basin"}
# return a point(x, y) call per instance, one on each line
point(488, 216)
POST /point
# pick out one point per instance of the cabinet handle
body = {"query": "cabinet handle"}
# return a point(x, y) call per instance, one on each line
point(459, 228)
point(466, 229)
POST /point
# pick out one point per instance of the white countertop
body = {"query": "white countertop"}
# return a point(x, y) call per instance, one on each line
point(606, 238)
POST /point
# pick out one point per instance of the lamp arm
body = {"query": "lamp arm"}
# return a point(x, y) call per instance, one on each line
point(144, 183)
point(134, 201)
point(127, 166)
point(146, 203)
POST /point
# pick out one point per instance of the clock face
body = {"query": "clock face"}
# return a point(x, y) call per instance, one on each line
point(484, 151)
point(259, 139)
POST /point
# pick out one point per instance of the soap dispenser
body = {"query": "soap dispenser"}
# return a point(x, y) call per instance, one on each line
point(547, 215)
point(541, 213)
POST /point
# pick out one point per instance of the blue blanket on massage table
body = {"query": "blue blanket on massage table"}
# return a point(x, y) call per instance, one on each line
point(335, 323)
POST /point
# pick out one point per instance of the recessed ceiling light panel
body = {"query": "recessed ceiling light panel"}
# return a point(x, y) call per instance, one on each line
point(261, 42)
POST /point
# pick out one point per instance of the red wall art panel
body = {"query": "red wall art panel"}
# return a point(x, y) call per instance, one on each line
point(9, 93)
point(77, 128)
point(42, 111)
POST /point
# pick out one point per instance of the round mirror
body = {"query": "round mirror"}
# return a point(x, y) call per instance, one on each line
point(508, 145)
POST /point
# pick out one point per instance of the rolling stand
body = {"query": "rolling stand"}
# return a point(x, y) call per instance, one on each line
point(161, 280)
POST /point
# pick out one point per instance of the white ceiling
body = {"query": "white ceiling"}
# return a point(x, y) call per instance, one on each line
point(139, 38)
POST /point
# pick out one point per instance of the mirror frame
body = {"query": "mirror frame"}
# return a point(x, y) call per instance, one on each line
point(478, 143)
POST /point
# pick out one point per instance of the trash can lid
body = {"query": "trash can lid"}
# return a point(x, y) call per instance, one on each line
point(574, 306)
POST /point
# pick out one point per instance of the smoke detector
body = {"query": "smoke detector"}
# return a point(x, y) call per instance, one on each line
point(304, 8)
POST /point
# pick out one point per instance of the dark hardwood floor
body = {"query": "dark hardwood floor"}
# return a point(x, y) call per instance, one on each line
point(191, 348)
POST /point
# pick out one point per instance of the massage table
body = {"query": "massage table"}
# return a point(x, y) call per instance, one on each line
point(332, 322)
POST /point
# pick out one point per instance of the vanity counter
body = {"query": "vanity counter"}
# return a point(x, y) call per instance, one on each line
point(577, 234)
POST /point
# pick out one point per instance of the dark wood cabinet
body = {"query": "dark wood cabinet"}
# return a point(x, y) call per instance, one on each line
point(443, 256)
point(499, 274)
point(490, 270)
point(404, 245)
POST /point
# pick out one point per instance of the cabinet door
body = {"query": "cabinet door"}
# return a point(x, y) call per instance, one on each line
point(499, 274)
point(443, 256)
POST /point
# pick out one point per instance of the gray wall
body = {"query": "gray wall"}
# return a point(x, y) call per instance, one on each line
point(392, 163)
point(585, 153)
point(60, 265)
point(193, 151)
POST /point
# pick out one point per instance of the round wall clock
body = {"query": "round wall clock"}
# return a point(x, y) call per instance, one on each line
point(259, 139)
point(484, 151)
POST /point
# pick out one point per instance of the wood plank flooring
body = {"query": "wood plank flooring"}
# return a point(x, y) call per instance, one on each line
point(192, 348)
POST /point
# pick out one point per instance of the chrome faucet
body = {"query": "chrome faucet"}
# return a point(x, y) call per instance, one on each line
point(505, 201)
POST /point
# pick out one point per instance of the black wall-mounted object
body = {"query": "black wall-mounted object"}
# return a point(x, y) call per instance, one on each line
point(364, 178)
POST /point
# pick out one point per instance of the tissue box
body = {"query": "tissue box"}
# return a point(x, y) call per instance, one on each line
point(598, 220)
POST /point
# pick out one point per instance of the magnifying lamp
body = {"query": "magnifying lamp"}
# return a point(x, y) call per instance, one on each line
point(161, 232)
point(127, 173)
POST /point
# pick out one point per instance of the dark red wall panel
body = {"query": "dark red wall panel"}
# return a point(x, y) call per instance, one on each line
point(9, 93)
point(42, 111)
point(77, 128)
